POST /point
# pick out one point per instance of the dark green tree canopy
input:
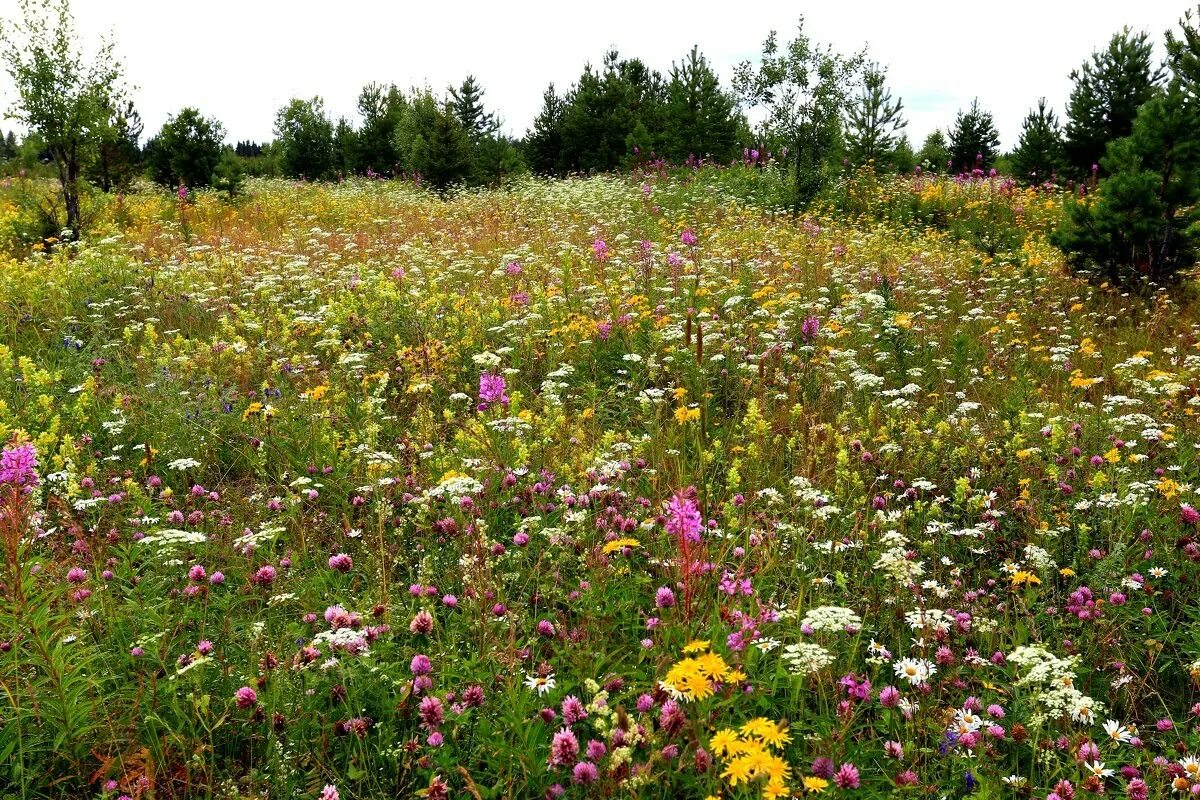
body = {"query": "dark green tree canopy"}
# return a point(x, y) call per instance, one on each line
point(1108, 90)
point(305, 135)
point(1039, 154)
point(974, 142)
point(186, 150)
point(701, 118)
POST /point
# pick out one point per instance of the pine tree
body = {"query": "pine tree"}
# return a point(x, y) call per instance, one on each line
point(974, 141)
point(874, 119)
point(1039, 153)
point(699, 115)
point(544, 143)
point(1106, 96)
point(467, 103)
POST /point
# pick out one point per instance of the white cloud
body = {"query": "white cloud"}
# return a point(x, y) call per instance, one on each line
point(240, 60)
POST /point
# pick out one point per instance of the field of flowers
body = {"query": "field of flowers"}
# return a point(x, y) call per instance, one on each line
point(614, 487)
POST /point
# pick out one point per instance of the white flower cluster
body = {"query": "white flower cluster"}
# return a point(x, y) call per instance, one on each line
point(831, 618)
point(806, 658)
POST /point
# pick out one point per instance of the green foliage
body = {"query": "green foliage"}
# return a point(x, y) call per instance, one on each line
point(974, 141)
point(229, 175)
point(373, 147)
point(600, 121)
point(804, 89)
point(441, 154)
point(543, 145)
point(305, 136)
point(700, 116)
point(873, 119)
point(1039, 154)
point(65, 98)
point(1108, 90)
point(467, 103)
point(186, 150)
point(1143, 220)
point(934, 155)
point(118, 157)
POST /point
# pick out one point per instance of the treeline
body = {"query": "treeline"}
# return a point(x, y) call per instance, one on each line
point(1130, 130)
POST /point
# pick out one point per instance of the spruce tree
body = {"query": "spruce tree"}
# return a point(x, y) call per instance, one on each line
point(117, 155)
point(467, 103)
point(443, 154)
point(1039, 153)
point(186, 150)
point(873, 119)
point(974, 141)
point(382, 108)
point(544, 143)
point(1108, 90)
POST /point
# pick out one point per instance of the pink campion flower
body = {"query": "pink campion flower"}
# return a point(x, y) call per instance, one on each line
point(688, 237)
point(18, 466)
point(492, 389)
point(600, 250)
point(246, 698)
point(683, 518)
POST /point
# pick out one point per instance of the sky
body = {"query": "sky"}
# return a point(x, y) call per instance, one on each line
point(240, 60)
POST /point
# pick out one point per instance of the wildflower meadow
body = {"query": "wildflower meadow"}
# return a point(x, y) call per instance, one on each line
point(608, 487)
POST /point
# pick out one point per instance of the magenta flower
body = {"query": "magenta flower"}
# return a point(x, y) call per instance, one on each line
point(18, 466)
point(492, 390)
point(340, 562)
point(688, 237)
point(246, 698)
point(683, 518)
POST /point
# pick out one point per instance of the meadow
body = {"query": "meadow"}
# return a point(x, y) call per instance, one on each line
point(627, 486)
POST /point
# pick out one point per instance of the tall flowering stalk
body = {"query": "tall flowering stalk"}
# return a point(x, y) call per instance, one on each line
point(683, 522)
point(18, 477)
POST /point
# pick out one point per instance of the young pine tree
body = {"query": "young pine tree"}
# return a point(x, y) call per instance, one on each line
point(873, 119)
point(935, 152)
point(974, 141)
point(1039, 154)
point(699, 115)
point(467, 103)
point(1108, 90)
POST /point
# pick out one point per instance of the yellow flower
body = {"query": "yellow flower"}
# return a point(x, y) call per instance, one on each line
point(618, 544)
point(722, 740)
point(697, 646)
point(814, 784)
point(777, 736)
point(1024, 577)
point(737, 771)
point(251, 410)
point(684, 415)
point(317, 392)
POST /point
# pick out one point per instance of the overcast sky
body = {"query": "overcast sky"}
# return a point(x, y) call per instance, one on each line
point(239, 60)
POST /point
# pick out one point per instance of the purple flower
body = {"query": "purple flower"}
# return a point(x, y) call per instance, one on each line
point(18, 466)
point(246, 698)
point(340, 562)
point(683, 518)
point(492, 389)
point(688, 237)
point(585, 772)
point(664, 597)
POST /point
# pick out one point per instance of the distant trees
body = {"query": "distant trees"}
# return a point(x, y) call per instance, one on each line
point(305, 136)
point(1107, 93)
point(974, 141)
point(186, 150)
point(804, 88)
point(67, 100)
point(873, 119)
point(1039, 154)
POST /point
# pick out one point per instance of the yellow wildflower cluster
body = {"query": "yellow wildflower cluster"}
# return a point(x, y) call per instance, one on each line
point(695, 677)
point(748, 755)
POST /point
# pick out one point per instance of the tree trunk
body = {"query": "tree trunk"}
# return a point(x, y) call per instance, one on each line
point(71, 193)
